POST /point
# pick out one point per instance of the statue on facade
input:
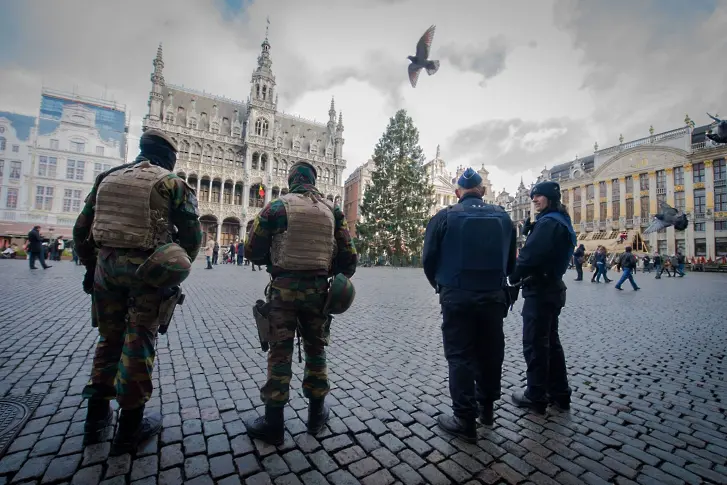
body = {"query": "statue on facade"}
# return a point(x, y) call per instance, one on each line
point(719, 133)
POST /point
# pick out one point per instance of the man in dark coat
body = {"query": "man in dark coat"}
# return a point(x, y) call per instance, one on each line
point(469, 250)
point(578, 259)
point(35, 248)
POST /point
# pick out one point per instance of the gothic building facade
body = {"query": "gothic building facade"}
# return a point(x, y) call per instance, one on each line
point(237, 154)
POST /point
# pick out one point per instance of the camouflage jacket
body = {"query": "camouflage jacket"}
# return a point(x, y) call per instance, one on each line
point(183, 213)
point(273, 220)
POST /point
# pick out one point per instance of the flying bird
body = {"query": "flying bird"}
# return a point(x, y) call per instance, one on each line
point(668, 216)
point(721, 129)
point(421, 59)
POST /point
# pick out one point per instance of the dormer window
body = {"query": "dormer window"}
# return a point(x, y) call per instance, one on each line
point(78, 146)
point(193, 123)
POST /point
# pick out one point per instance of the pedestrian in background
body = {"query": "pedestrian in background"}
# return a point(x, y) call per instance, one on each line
point(627, 262)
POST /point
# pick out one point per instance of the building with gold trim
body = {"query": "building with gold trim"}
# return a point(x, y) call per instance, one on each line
point(619, 189)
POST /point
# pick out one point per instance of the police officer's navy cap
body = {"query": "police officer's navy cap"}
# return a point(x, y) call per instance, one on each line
point(549, 189)
point(152, 133)
point(469, 179)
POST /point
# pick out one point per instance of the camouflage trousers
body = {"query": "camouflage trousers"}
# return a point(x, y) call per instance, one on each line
point(126, 311)
point(289, 306)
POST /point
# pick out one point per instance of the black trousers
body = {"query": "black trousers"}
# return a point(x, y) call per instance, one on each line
point(474, 346)
point(546, 371)
point(579, 270)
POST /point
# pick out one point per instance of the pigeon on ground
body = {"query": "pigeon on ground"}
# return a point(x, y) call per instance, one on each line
point(721, 130)
point(421, 59)
point(668, 216)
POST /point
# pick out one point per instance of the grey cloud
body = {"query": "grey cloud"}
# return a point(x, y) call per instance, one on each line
point(380, 70)
point(648, 63)
point(489, 61)
point(515, 144)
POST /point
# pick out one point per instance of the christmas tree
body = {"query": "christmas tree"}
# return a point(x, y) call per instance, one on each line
point(395, 208)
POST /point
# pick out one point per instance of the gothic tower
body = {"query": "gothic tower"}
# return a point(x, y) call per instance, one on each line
point(263, 100)
point(156, 98)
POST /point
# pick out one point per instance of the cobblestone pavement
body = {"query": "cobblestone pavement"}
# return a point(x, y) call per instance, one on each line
point(647, 368)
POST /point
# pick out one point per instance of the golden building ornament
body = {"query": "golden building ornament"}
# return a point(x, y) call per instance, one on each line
point(708, 163)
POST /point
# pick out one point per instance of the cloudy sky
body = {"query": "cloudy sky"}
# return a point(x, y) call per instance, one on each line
point(522, 85)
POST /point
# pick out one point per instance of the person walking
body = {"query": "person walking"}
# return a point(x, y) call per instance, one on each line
point(35, 248)
point(627, 262)
point(469, 250)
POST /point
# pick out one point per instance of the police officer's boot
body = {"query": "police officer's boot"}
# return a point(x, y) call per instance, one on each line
point(560, 401)
point(269, 428)
point(462, 428)
point(486, 413)
point(133, 429)
point(98, 417)
point(318, 414)
point(520, 400)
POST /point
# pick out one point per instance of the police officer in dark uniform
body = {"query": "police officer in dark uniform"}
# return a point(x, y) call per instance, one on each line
point(469, 250)
point(540, 267)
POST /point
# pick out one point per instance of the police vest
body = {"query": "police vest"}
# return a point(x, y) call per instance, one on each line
point(563, 250)
point(475, 247)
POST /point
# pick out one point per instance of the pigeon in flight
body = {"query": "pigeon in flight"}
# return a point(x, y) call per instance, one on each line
point(421, 59)
point(721, 129)
point(668, 216)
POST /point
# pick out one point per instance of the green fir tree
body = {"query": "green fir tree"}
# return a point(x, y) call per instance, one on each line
point(396, 204)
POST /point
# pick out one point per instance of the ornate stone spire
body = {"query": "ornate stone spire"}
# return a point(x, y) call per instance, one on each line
point(438, 152)
point(595, 147)
point(332, 111)
point(339, 128)
point(157, 77)
point(264, 62)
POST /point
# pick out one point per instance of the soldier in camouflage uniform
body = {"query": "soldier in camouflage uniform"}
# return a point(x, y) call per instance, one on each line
point(131, 211)
point(303, 240)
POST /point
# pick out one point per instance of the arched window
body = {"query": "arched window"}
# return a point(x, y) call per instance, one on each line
point(229, 157)
point(239, 162)
point(184, 149)
point(276, 166)
point(265, 92)
point(255, 160)
point(2, 143)
point(196, 151)
point(264, 162)
point(261, 127)
point(257, 90)
point(218, 155)
point(207, 154)
point(327, 176)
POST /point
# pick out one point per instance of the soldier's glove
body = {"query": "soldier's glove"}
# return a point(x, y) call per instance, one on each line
point(88, 280)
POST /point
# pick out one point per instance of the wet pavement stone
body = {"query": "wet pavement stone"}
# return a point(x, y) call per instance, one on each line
point(648, 389)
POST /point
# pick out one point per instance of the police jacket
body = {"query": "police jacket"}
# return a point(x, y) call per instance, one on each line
point(469, 249)
point(546, 253)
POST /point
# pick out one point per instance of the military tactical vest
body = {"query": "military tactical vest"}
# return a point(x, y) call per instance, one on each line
point(308, 243)
point(475, 247)
point(129, 212)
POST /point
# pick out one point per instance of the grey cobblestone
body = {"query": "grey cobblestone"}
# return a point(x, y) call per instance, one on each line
point(643, 403)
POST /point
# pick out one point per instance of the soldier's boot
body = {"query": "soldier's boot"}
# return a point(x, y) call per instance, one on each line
point(98, 417)
point(521, 400)
point(269, 428)
point(486, 413)
point(462, 428)
point(318, 414)
point(133, 429)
